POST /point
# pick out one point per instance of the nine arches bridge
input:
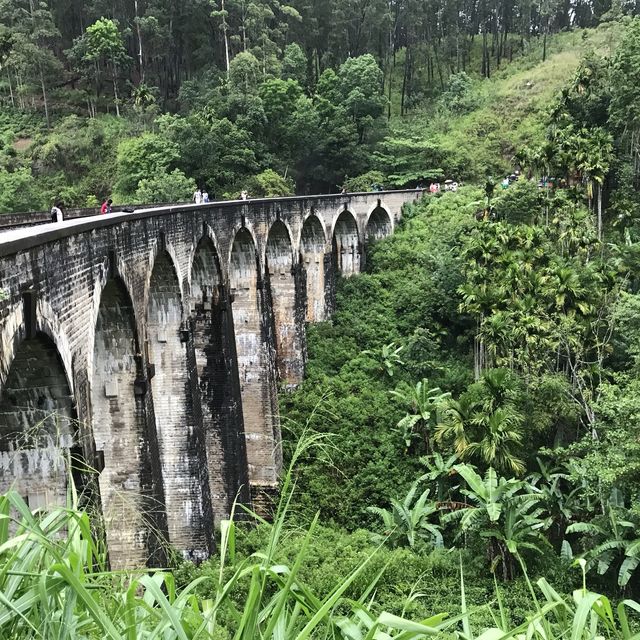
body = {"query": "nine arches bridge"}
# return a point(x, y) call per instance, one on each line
point(150, 346)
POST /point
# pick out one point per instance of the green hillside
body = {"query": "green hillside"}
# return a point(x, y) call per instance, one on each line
point(477, 132)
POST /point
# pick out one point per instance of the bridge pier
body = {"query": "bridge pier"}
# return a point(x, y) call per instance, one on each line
point(312, 259)
point(178, 417)
point(122, 432)
point(217, 367)
point(255, 348)
point(283, 280)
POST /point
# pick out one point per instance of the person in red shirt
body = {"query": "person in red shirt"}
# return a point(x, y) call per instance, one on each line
point(106, 206)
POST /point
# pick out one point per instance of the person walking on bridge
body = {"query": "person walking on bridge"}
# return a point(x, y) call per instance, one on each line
point(56, 212)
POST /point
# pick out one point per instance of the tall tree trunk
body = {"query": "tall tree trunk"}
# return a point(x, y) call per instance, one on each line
point(19, 91)
point(599, 211)
point(225, 35)
point(116, 100)
point(44, 97)
point(404, 82)
point(13, 101)
point(140, 55)
point(435, 54)
point(390, 86)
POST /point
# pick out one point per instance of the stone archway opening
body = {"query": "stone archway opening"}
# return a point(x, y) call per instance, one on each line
point(346, 245)
point(206, 277)
point(379, 224)
point(288, 311)
point(120, 430)
point(255, 369)
point(38, 425)
point(312, 248)
point(215, 355)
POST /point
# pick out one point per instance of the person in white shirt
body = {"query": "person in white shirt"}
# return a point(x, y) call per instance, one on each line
point(56, 212)
point(197, 196)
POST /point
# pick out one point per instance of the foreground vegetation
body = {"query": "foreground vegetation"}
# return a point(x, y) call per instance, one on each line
point(54, 584)
point(456, 471)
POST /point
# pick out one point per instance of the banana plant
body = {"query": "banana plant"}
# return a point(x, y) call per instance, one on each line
point(502, 511)
point(388, 357)
point(408, 523)
point(440, 472)
point(616, 545)
point(422, 402)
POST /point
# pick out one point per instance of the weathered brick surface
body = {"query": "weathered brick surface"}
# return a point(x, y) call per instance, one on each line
point(217, 372)
point(120, 427)
point(313, 243)
point(212, 300)
point(177, 413)
point(281, 281)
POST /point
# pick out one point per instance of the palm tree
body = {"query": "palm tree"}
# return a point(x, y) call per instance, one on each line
point(592, 153)
point(499, 436)
point(454, 427)
point(485, 430)
point(495, 333)
point(569, 292)
point(500, 384)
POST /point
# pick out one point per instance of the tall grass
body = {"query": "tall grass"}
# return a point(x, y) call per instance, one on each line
point(55, 585)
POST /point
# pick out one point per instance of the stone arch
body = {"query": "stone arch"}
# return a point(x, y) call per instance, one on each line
point(255, 365)
point(313, 237)
point(163, 249)
point(243, 263)
point(206, 273)
point(286, 303)
point(346, 249)
point(177, 416)
point(379, 223)
point(205, 263)
point(119, 427)
point(49, 323)
point(164, 298)
point(110, 268)
point(38, 425)
point(279, 245)
point(215, 357)
point(312, 251)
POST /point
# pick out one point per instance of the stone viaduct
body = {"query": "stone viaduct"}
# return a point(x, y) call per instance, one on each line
point(150, 346)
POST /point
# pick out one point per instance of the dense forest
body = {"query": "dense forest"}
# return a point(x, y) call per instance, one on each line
point(145, 99)
point(463, 455)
